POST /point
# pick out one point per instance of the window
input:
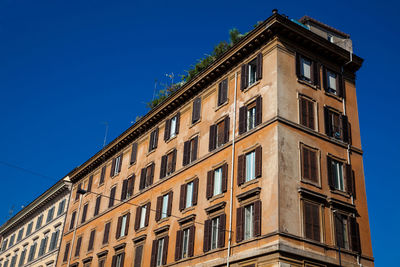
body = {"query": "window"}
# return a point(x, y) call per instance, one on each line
point(32, 252)
point(39, 221)
point(11, 243)
point(138, 256)
point(84, 212)
point(91, 240)
point(106, 233)
point(153, 140)
point(72, 222)
point(118, 260)
point(307, 112)
point(22, 258)
point(97, 206)
point(134, 153)
point(222, 92)
point(168, 164)
point(112, 197)
point(312, 225)
point(90, 183)
point(160, 249)
point(214, 233)
point(116, 165)
point(196, 112)
point(309, 164)
point(340, 176)
point(146, 176)
point(251, 72)
point(102, 262)
point(333, 82)
point(13, 260)
point(159, 252)
point(54, 240)
point(61, 207)
point(164, 206)
point(249, 165)
point(66, 252)
point(4, 246)
point(307, 70)
point(190, 150)
point(217, 181)
point(127, 188)
point(248, 224)
point(102, 175)
point(50, 214)
point(29, 229)
point(123, 226)
point(20, 234)
point(142, 216)
point(250, 115)
point(219, 134)
point(184, 243)
point(76, 193)
point(43, 246)
point(188, 197)
point(171, 127)
point(347, 232)
point(78, 246)
point(337, 125)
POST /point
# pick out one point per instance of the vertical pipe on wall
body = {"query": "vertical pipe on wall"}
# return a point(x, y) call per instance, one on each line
point(75, 225)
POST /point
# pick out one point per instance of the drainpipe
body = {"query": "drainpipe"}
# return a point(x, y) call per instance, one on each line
point(232, 172)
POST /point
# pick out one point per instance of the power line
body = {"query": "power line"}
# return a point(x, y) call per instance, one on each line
point(27, 171)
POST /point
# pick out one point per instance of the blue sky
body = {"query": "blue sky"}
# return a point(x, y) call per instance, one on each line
point(66, 67)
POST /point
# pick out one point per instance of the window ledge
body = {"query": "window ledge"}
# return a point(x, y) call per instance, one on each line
point(141, 229)
point(251, 86)
point(304, 181)
point(341, 193)
point(187, 209)
point(334, 96)
point(212, 199)
point(163, 220)
point(172, 138)
point(309, 84)
point(133, 164)
point(151, 152)
point(121, 238)
point(222, 105)
point(194, 123)
point(248, 183)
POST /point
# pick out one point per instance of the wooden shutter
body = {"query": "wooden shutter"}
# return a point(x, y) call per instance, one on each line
point(178, 122)
point(313, 166)
point(243, 77)
point(137, 218)
point(303, 112)
point(259, 66)
point(241, 169)
point(142, 182)
point(305, 158)
point(169, 208)
point(339, 230)
point(219, 100)
point(349, 179)
point(138, 256)
point(146, 223)
point(207, 233)
point(258, 169)
point(225, 90)
point(76, 193)
point(134, 153)
point(192, 230)
point(195, 191)
point(222, 230)
point(84, 213)
point(66, 252)
point(298, 73)
point(213, 134)
point(324, 79)
point(78, 246)
point(328, 124)
point(196, 109)
point(224, 177)
point(165, 250)
point(310, 113)
point(118, 232)
point(72, 222)
point(354, 235)
point(239, 224)
point(330, 172)
point(182, 197)
point(102, 175)
point(195, 141)
point(316, 77)
point(154, 253)
point(243, 119)
point(173, 163)
point(167, 130)
point(158, 207)
point(307, 220)
point(258, 110)
point(151, 141)
point(226, 129)
point(124, 189)
point(122, 259)
point(131, 183)
point(128, 218)
point(114, 261)
point(178, 246)
point(210, 179)
point(120, 162)
point(106, 232)
point(346, 132)
point(339, 84)
point(149, 179)
point(257, 218)
point(186, 153)
point(155, 138)
point(112, 197)
point(316, 232)
point(90, 182)
point(112, 167)
point(163, 168)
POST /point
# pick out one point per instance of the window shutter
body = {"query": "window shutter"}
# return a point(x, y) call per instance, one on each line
point(196, 109)
point(84, 212)
point(178, 246)
point(355, 235)
point(163, 168)
point(258, 161)
point(137, 218)
point(298, 73)
point(316, 223)
point(131, 183)
point(226, 130)
point(303, 112)
point(353, 177)
point(173, 160)
point(316, 77)
point(213, 132)
point(310, 113)
point(339, 230)
point(122, 259)
point(118, 232)
point(239, 224)
point(195, 191)
point(112, 197)
point(106, 232)
point(241, 169)
point(349, 179)
point(257, 218)
point(259, 66)
point(154, 253)
point(114, 261)
point(313, 166)
point(346, 132)
point(222, 230)
point(112, 167)
point(225, 90)
point(242, 119)
point(167, 129)
point(66, 252)
point(158, 208)
point(102, 175)
point(151, 177)
point(155, 138)
point(224, 177)
point(169, 209)
point(207, 233)
point(178, 120)
point(219, 94)
point(128, 218)
point(90, 182)
point(76, 193)
point(182, 197)
point(124, 189)
point(138, 256)
point(339, 84)
point(258, 110)
point(328, 126)
point(186, 153)
point(78, 246)
point(243, 77)
point(330, 173)
point(324, 79)
point(305, 163)
point(210, 176)
point(195, 141)
point(151, 141)
point(142, 179)
point(307, 220)
point(165, 250)
point(120, 162)
point(134, 153)
point(192, 235)
point(72, 222)
point(146, 223)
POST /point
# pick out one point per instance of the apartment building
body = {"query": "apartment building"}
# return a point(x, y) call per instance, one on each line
point(32, 237)
point(256, 161)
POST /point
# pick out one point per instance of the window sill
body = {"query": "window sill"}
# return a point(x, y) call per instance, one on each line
point(115, 175)
point(151, 152)
point(304, 181)
point(141, 229)
point(195, 123)
point(163, 220)
point(248, 88)
point(341, 193)
point(248, 183)
point(212, 199)
point(309, 84)
point(121, 238)
point(221, 106)
point(132, 164)
point(172, 138)
point(187, 209)
point(339, 98)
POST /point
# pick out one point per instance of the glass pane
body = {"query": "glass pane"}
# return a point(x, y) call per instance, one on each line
point(252, 72)
point(248, 221)
point(331, 82)
point(164, 206)
point(173, 127)
point(142, 217)
point(123, 225)
point(189, 195)
point(217, 181)
point(160, 252)
point(305, 68)
point(250, 166)
point(214, 232)
point(251, 118)
point(185, 243)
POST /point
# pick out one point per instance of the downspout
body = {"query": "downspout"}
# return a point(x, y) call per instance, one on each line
point(232, 173)
point(76, 224)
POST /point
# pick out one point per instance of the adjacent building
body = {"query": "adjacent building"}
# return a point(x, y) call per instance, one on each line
point(257, 161)
point(32, 237)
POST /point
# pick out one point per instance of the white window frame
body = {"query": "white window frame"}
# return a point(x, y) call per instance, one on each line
point(214, 233)
point(217, 181)
point(117, 165)
point(160, 249)
point(251, 118)
point(189, 195)
point(123, 225)
point(331, 80)
point(143, 212)
point(248, 222)
point(250, 166)
point(338, 174)
point(252, 69)
point(164, 207)
point(304, 62)
point(172, 129)
point(185, 243)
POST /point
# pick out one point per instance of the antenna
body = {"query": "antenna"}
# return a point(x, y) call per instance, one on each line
point(105, 135)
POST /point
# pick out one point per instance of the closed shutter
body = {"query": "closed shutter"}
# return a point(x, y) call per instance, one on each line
point(222, 230)
point(328, 123)
point(213, 134)
point(298, 73)
point(186, 153)
point(258, 110)
point(192, 235)
point(84, 213)
point(149, 179)
point(124, 189)
point(173, 163)
point(91, 240)
point(243, 77)
point(142, 183)
point(106, 232)
point(241, 169)
point(137, 218)
point(353, 177)
point(316, 232)
point(90, 182)
point(112, 197)
point(153, 253)
point(226, 130)
point(167, 130)
point(182, 197)
point(324, 79)
point(303, 112)
point(239, 224)
point(349, 179)
point(178, 246)
point(195, 141)
point(134, 153)
point(195, 191)
point(120, 162)
point(307, 220)
point(257, 218)
point(346, 132)
point(196, 109)
point(114, 261)
point(158, 207)
point(258, 169)
point(165, 250)
point(169, 208)
point(131, 183)
point(305, 157)
point(219, 101)
point(112, 167)
point(210, 187)
point(313, 166)
point(316, 77)
point(138, 256)
point(354, 235)
point(146, 223)
point(340, 84)
point(118, 232)
point(207, 233)
point(102, 175)
point(225, 90)
point(151, 141)
point(242, 119)
point(163, 168)
point(259, 66)
point(122, 259)
point(76, 193)
point(224, 177)
point(78, 246)
point(178, 122)
point(128, 218)
point(330, 172)
point(72, 222)
point(310, 113)
point(66, 252)
point(339, 230)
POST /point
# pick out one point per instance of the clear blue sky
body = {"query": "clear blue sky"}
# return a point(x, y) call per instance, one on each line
point(68, 66)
